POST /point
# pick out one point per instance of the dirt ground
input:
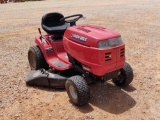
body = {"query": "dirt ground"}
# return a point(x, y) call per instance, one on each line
point(138, 21)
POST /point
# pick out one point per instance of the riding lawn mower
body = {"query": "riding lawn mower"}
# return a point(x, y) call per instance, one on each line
point(73, 56)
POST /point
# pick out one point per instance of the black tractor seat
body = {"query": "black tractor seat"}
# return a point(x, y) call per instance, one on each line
point(52, 25)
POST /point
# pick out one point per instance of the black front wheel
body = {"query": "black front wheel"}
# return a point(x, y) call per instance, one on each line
point(77, 90)
point(125, 77)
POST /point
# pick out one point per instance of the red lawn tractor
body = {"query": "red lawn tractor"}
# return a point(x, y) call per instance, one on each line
point(72, 56)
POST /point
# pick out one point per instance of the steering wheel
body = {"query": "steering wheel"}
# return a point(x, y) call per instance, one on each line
point(75, 17)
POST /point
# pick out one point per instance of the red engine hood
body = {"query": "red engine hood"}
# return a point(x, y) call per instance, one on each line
point(89, 35)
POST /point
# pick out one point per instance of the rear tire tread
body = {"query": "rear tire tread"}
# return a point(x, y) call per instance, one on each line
point(40, 61)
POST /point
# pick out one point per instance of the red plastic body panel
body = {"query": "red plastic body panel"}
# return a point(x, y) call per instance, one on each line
point(54, 56)
point(96, 58)
point(81, 42)
point(93, 34)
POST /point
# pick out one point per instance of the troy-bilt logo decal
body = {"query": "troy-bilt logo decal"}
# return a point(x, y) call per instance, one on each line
point(81, 38)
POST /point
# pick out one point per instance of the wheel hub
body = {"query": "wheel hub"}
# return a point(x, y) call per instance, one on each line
point(73, 92)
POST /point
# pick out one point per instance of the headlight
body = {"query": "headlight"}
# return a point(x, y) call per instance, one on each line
point(110, 43)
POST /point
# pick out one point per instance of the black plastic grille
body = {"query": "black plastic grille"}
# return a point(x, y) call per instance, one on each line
point(122, 52)
point(107, 56)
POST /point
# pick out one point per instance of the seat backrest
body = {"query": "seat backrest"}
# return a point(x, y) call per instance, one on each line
point(52, 19)
point(52, 25)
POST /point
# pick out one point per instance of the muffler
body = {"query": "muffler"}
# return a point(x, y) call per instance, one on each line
point(44, 78)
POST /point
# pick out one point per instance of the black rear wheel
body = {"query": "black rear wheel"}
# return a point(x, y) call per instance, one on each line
point(77, 90)
point(125, 77)
point(36, 59)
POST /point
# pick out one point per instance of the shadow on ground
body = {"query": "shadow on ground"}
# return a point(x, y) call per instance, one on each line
point(105, 96)
point(109, 98)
